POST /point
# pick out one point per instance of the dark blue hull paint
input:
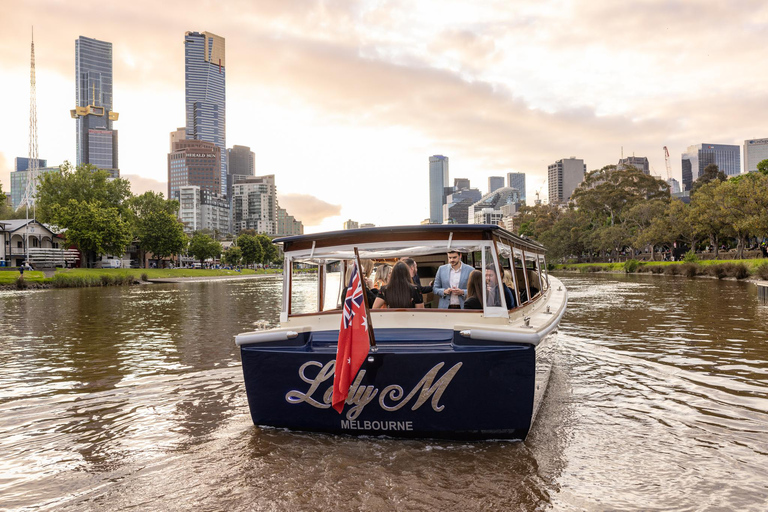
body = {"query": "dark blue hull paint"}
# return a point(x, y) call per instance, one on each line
point(428, 383)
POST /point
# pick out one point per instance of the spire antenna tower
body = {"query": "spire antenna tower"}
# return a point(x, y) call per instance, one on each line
point(34, 162)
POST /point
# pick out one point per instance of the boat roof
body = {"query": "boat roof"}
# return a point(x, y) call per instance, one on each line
point(404, 233)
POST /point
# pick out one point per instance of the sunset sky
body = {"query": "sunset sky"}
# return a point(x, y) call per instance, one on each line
point(345, 101)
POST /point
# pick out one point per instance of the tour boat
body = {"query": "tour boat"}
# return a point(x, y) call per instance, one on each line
point(433, 373)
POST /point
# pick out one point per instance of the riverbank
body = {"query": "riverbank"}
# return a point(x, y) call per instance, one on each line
point(717, 269)
point(86, 277)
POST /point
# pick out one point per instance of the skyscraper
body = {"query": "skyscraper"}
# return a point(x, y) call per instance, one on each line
point(205, 93)
point(755, 151)
point(193, 162)
point(517, 180)
point(563, 177)
point(438, 183)
point(495, 183)
point(96, 140)
point(241, 161)
point(638, 162)
point(727, 157)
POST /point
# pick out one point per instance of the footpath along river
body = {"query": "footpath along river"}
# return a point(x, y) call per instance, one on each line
point(132, 398)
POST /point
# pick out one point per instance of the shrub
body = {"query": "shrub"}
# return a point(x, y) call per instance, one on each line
point(144, 277)
point(718, 270)
point(739, 271)
point(21, 283)
point(761, 271)
point(689, 269)
point(631, 266)
point(690, 257)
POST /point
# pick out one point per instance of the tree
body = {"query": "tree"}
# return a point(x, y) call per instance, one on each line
point(85, 183)
point(707, 217)
point(202, 247)
point(744, 204)
point(251, 248)
point(268, 249)
point(762, 167)
point(156, 226)
point(232, 256)
point(711, 173)
point(93, 226)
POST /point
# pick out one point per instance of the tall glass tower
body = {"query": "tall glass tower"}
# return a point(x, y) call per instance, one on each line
point(438, 183)
point(205, 93)
point(96, 140)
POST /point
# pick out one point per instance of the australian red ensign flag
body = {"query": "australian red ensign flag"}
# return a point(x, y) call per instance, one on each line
point(353, 341)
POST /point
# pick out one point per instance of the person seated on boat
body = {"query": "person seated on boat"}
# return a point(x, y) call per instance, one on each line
point(382, 276)
point(415, 275)
point(492, 296)
point(372, 293)
point(399, 292)
point(451, 282)
point(509, 283)
point(474, 291)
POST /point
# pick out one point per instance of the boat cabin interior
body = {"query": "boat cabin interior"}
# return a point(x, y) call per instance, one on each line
point(317, 266)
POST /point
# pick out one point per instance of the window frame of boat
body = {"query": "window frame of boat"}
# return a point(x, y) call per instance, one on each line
point(519, 254)
point(315, 257)
point(534, 258)
point(543, 271)
point(504, 245)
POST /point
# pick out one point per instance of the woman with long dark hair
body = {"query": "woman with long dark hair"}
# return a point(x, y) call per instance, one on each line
point(400, 292)
point(474, 291)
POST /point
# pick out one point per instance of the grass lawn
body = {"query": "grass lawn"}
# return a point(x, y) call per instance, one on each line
point(750, 263)
point(34, 276)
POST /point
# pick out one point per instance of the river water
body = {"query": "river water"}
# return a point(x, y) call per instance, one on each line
point(132, 398)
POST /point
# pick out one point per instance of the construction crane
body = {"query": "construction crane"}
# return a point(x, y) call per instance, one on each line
point(666, 160)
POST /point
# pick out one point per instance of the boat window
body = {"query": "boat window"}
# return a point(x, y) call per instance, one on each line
point(521, 277)
point(493, 295)
point(531, 270)
point(332, 285)
point(508, 274)
point(304, 286)
point(543, 271)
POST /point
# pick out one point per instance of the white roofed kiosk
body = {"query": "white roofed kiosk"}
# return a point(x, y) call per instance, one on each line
point(439, 373)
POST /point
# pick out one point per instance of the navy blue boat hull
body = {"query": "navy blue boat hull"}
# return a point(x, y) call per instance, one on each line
point(437, 387)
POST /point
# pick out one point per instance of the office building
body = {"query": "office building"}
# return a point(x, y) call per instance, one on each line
point(241, 161)
point(96, 140)
point(638, 162)
point(351, 224)
point(697, 157)
point(176, 136)
point(438, 183)
point(205, 93)
point(674, 186)
point(489, 209)
point(20, 175)
point(495, 183)
point(755, 151)
point(517, 180)
point(563, 177)
point(194, 162)
point(287, 225)
point(458, 202)
point(254, 204)
point(202, 209)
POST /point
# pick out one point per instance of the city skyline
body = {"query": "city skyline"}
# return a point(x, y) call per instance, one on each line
point(334, 85)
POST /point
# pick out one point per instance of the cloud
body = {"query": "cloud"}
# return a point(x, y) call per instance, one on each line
point(5, 174)
point(140, 184)
point(308, 209)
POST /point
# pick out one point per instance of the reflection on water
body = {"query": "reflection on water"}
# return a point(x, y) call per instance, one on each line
point(133, 397)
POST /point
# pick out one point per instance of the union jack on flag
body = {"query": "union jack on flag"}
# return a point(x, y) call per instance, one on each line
point(354, 341)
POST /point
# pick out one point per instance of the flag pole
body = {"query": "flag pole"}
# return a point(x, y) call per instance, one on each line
point(371, 337)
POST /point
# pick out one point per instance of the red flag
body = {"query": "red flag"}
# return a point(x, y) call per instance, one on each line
point(353, 341)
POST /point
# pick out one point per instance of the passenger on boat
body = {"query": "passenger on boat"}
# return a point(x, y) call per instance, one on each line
point(415, 275)
point(451, 282)
point(474, 291)
point(372, 293)
point(509, 283)
point(400, 292)
point(492, 288)
point(382, 275)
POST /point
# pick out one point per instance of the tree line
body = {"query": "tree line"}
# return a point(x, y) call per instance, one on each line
point(99, 216)
point(617, 211)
